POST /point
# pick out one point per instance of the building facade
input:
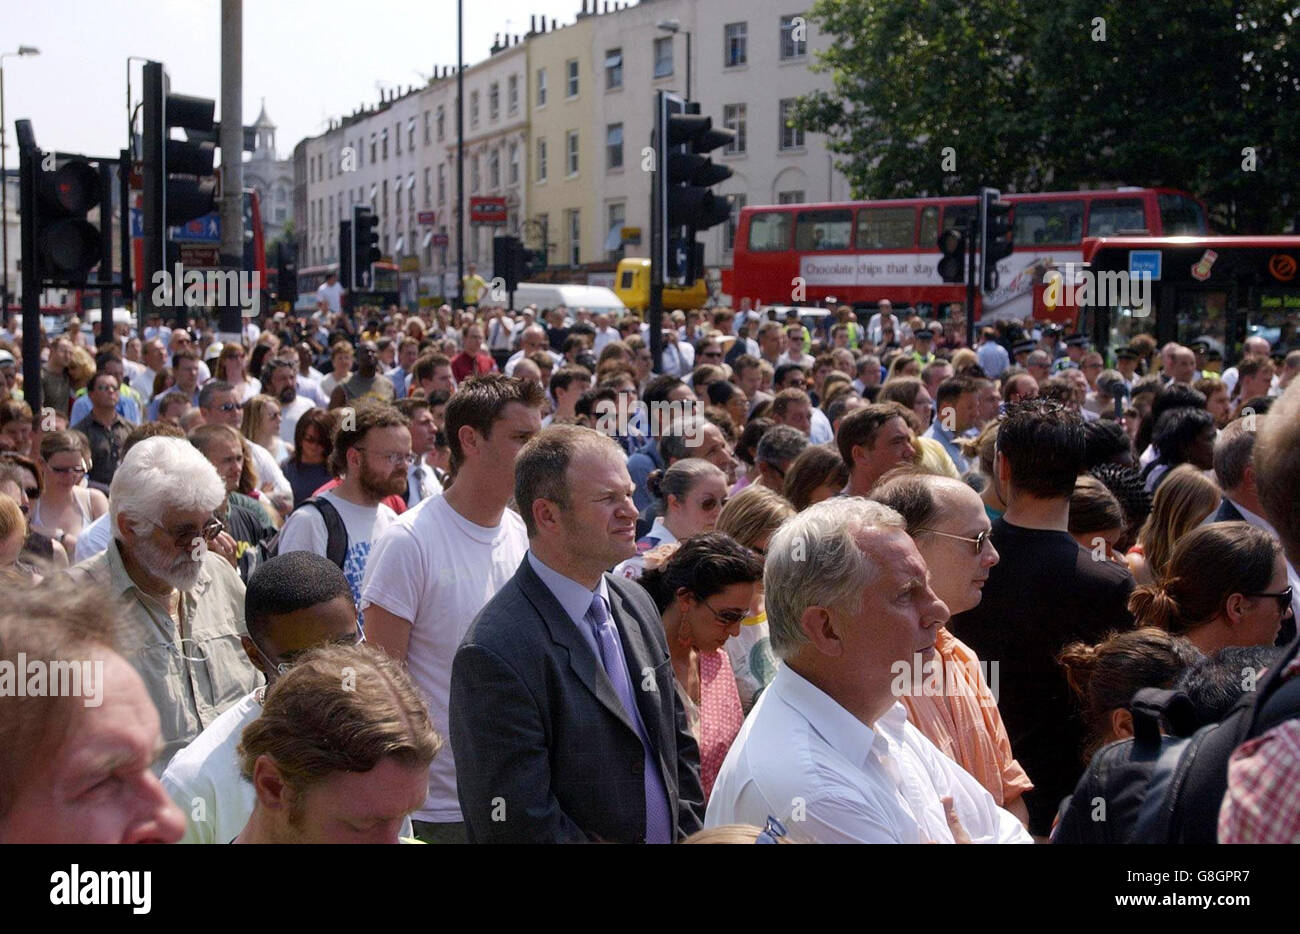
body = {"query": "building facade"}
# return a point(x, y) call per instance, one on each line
point(271, 177)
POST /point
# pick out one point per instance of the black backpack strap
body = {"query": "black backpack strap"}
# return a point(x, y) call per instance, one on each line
point(336, 545)
point(1276, 699)
point(1154, 708)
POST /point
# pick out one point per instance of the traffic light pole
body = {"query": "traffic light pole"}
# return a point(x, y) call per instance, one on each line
point(971, 271)
point(106, 321)
point(29, 161)
point(658, 211)
point(154, 212)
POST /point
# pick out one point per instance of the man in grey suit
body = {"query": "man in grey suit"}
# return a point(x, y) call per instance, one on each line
point(564, 717)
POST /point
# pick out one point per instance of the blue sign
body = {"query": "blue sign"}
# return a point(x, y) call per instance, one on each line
point(1144, 262)
point(137, 222)
point(205, 229)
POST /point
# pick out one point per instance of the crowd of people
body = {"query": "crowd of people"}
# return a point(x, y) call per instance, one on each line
point(471, 575)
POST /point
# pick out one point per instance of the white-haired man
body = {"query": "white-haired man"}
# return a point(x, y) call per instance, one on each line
point(184, 601)
point(828, 749)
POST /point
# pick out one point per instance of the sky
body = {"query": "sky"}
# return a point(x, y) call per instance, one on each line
point(311, 61)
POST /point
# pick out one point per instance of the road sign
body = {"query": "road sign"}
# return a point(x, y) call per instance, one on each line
point(205, 229)
point(427, 218)
point(487, 210)
point(440, 239)
point(199, 256)
point(1144, 262)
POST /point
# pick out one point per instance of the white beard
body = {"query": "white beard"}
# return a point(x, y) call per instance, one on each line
point(181, 573)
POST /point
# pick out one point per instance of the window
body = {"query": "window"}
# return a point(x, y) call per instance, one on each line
point(513, 171)
point(790, 197)
point(360, 150)
point(442, 123)
point(791, 136)
point(571, 152)
point(614, 146)
point(736, 202)
point(410, 192)
point(311, 172)
point(330, 166)
point(541, 160)
point(823, 230)
point(544, 225)
point(614, 232)
point(1048, 222)
point(663, 57)
point(1107, 218)
point(733, 118)
point(494, 101)
point(541, 87)
point(571, 78)
point(575, 237)
point(613, 69)
point(428, 189)
point(473, 108)
point(957, 215)
point(427, 128)
point(494, 169)
point(735, 44)
point(769, 230)
point(410, 134)
point(442, 184)
point(792, 47)
point(383, 143)
point(929, 225)
point(512, 94)
point(886, 228)
point(1180, 216)
point(397, 137)
point(385, 210)
point(331, 207)
point(474, 174)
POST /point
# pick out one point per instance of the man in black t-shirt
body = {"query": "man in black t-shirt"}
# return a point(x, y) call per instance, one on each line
point(1046, 592)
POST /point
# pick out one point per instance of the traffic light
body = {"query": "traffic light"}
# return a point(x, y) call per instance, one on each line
point(365, 245)
point(68, 243)
point(178, 173)
point(952, 264)
point(345, 254)
point(683, 138)
point(508, 261)
point(997, 235)
point(286, 274)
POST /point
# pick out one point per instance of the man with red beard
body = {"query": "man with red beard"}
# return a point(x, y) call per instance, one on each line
point(183, 603)
point(372, 451)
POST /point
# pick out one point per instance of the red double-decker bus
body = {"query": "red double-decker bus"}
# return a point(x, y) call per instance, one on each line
point(862, 251)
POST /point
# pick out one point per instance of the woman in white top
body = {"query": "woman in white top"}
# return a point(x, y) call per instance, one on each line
point(232, 366)
point(67, 506)
point(261, 425)
point(690, 494)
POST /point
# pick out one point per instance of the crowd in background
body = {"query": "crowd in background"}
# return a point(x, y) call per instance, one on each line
point(820, 578)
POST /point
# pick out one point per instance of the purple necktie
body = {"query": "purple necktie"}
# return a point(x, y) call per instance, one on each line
point(659, 825)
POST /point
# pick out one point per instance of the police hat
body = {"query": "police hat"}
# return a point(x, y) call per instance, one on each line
point(1077, 340)
point(1127, 353)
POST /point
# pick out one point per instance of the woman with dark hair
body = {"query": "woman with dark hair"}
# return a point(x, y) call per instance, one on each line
point(1182, 436)
point(816, 474)
point(257, 358)
point(68, 505)
point(1097, 520)
point(1226, 584)
point(690, 495)
point(1105, 677)
point(731, 397)
point(750, 435)
point(20, 479)
point(163, 380)
point(307, 468)
point(703, 592)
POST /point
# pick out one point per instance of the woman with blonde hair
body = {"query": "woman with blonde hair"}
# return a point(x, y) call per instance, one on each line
point(261, 425)
point(751, 517)
point(1183, 501)
point(81, 370)
point(232, 367)
point(963, 359)
point(67, 505)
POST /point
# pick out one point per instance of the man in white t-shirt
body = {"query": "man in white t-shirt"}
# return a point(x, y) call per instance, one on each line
point(442, 561)
point(294, 601)
point(371, 454)
point(330, 294)
point(282, 385)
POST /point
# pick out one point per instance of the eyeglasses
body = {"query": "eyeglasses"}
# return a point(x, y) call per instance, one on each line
point(1283, 600)
point(288, 658)
point(230, 406)
point(978, 541)
point(727, 617)
point(185, 538)
point(393, 459)
point(772, 831)
point(711, 353)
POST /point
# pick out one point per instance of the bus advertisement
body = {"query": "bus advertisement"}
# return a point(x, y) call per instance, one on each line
point(858, 253)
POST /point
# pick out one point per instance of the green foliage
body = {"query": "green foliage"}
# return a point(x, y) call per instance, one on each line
point(1029, 97)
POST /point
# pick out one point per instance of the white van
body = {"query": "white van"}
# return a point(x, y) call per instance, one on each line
point(544, 295)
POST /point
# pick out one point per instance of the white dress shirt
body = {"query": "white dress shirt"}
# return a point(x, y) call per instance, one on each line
point(830, 778)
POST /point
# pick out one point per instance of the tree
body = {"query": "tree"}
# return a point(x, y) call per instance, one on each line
point(1065, 93)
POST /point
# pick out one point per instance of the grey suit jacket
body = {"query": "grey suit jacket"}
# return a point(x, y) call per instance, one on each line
point(545, 752)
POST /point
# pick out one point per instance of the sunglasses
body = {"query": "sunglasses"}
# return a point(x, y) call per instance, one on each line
point(978, 541)
point(230, 406)
point(726, 617)
point(1283, 599)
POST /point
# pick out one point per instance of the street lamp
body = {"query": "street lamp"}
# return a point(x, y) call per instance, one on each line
point(674, 26)
point(4, 174)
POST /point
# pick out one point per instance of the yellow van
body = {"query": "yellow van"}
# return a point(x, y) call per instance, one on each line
point(632, 285)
